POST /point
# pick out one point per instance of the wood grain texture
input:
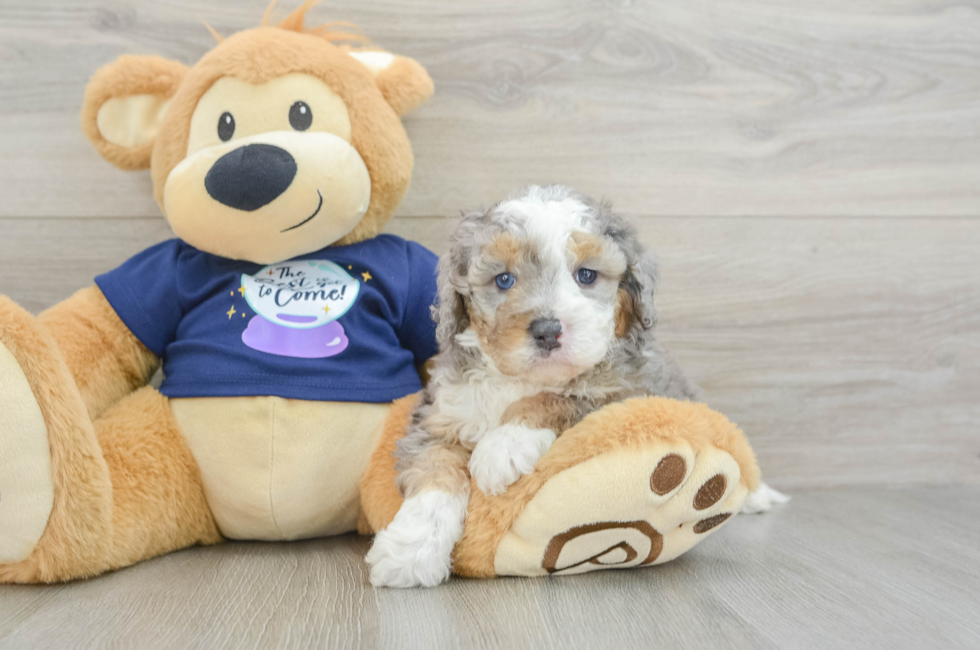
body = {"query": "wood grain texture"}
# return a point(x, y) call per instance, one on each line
point(809, 178)
point(697, 108)
point(835, 568)
point(848, 350)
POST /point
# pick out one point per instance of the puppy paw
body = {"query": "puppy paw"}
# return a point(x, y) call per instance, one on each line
point(762, 500)
point(507, 453)
point(415, 550)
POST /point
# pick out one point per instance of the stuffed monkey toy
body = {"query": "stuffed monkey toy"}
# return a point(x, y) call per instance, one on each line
point(290, 331)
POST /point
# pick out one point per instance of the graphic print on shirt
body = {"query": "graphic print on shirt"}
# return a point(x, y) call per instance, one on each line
point(297, 305)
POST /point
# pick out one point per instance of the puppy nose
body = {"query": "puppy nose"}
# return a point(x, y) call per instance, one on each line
point(545, 332)
point(250, 176)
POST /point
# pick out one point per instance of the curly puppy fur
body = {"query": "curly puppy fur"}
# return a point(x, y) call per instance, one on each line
point(501, 390)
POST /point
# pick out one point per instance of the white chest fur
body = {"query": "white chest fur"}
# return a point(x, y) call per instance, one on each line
point(477, 404)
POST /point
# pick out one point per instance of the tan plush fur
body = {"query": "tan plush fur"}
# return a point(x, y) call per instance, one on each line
point(105, 359)
point(127, 75)
point(75, 538)
point(626, 424)
point(125, 486)
point(258, 55)
point(405, 84)
point(158, 500)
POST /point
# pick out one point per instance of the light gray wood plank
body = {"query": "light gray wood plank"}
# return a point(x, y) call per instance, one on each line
point(854, 568)
point(694, 108)
point(848, 350)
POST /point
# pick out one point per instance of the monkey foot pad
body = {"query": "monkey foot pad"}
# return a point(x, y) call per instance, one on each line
point(634, 485)
point(663, 500)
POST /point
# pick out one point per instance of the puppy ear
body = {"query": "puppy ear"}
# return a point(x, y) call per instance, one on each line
point(403, 81)
point(450, 311)
point(124, 106)
point(634, 304)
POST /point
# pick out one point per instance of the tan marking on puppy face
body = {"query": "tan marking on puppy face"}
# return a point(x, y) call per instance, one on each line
point(500, 319)
point(503, 334)
point(544, 245)
point(584, 246)
point(505, 248)
point(624, 313)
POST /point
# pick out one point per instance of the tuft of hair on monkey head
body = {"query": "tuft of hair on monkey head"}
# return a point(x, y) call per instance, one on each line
point(280, 141)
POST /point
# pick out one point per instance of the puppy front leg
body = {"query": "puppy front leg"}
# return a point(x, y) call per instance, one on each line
point(507, 453)
point(416, 548)
point(529, 428)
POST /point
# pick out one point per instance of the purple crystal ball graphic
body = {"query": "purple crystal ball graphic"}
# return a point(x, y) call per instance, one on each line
point(314, 343)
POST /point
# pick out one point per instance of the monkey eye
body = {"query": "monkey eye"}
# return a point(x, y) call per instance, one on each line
point(226, 126)
point(586, 276)
point(300, 116)
point(505, 281)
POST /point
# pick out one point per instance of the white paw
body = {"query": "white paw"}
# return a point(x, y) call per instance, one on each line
point(762, 500)
point(507, 453)
point(416, 548)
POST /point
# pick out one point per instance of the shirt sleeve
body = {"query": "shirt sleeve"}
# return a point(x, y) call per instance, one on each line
point(418, 331)
point(143, 292)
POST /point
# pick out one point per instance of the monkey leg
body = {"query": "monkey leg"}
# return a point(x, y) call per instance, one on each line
point(78, 497)
point(634, 484)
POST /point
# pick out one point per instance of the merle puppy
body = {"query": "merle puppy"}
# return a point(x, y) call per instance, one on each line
point(545, 314)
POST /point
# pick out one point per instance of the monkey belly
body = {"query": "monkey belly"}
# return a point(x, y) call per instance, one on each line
point(279, 469)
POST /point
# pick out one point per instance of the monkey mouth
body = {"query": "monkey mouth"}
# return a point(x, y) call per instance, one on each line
point(315, 212)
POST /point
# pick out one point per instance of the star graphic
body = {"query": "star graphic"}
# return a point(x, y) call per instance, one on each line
point(241, 290)
point(326, 309)
point(366, 275)
point(349, 267)
point(231, 293)
point(231, 312)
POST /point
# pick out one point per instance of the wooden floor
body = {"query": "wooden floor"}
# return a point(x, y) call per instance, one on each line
point(810, 178)
point(845, 568)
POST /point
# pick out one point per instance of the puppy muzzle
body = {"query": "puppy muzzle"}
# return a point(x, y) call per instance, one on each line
point(545, 332)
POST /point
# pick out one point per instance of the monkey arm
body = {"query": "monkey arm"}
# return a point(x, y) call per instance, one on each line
point(107, 360)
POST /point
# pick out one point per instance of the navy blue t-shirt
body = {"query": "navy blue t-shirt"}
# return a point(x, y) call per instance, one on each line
point(347, 323)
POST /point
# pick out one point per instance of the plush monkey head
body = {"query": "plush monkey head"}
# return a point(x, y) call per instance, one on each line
point(278, 142)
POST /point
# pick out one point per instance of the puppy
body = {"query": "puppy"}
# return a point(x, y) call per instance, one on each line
point(545, 313)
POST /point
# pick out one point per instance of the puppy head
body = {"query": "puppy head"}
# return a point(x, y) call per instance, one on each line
point(547, 284)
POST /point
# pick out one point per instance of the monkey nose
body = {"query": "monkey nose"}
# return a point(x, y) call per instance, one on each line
point(545, 332)
point(251, 176)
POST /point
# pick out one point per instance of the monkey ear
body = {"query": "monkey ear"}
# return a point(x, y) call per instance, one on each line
point(403, 81)
point(124, 106)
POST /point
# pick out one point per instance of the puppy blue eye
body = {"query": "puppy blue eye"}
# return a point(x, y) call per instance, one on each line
point(505, 281)
point(586, 276)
